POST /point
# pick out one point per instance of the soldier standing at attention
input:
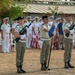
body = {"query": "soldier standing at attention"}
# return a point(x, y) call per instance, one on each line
point(46, 43)
point(29, 31)
point(5, 31)
point(20, 45)
point(68, 42)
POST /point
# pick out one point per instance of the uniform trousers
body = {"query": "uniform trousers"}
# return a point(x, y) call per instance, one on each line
point(61, 41)
point(20, 51)
point(45, 50)
point(5, 43)
point(68, 49)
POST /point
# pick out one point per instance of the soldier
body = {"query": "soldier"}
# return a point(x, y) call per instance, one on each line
point(29, 32)
point(68, 42)
point(13, 30)
point(46, 43)
point(20, 46)
point(14, 25)
point(5, 31)
point(35, 29)
point(61, 36)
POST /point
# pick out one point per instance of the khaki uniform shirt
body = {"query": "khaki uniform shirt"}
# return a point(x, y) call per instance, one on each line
point(44, 35)
point(66, 27)
point(18, 29)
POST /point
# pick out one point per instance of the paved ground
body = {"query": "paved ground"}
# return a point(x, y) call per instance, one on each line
point(32, 64)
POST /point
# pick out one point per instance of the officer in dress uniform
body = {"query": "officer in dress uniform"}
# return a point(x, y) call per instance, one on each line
point(35, 29)
point(46, 43)
point(29, 32)
point(13, 30)
point(20, 46)
point(14, 25)
point(5, 31)
point(68, 42)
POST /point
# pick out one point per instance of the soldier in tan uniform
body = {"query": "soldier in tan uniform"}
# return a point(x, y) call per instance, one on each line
point(20, 45)
point(46, 43)
point(68, 42)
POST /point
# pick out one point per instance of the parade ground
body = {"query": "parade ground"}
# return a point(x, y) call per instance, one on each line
point(32, 63)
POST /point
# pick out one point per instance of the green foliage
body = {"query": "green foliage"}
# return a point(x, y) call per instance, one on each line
point(4, 6)
point(15, 11)
point(12, 8)
point(23, 1)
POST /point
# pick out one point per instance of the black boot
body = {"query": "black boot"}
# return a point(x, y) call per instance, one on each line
point(19, 70)
point(70, 65)
point(22, 70)
point(42, 67)
point(46, 66)
point(66, 65)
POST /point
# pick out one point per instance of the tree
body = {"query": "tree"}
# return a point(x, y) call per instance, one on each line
point(4, 6)
point(12, 8)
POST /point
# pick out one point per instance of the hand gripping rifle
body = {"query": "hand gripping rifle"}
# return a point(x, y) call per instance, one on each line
point(70, 28)
point(22, 32)
point(50, 33)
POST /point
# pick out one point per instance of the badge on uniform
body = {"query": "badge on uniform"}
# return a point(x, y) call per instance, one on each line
point(50, 32)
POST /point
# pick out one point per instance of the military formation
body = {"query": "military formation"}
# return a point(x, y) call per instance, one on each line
point(38, 35)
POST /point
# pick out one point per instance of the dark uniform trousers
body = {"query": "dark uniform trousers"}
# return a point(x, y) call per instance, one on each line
point(20, 51)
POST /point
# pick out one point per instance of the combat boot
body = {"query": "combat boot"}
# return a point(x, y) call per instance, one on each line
point(66, 65)
point(46, 66)
point(22, 70)
point(70, 66)
point(42, 67)
point(19, 70)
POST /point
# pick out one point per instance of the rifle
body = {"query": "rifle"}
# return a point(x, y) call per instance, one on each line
point(22, 32)
point(70, 28)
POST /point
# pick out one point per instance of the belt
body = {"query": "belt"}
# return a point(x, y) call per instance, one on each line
point(7, 33)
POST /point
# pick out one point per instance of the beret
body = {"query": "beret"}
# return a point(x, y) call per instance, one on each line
point(20, 17)
point(44, 17)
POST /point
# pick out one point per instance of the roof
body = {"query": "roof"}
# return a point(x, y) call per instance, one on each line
point(38, 8)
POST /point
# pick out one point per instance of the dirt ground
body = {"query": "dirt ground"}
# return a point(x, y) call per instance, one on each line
point(32, 63)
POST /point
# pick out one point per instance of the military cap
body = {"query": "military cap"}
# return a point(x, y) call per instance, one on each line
point(36, 17)
point(43, 17)
point(51, 17)
point(6, 18)
point(28, 17)
point(58, 19)
point(20, 17)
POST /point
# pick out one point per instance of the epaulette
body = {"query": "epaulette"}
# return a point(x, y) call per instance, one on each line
point(42, 24)
point(65, 23)
point(16, 26)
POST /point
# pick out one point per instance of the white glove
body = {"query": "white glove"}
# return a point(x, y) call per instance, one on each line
point(23, 36)
point(72, 31)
